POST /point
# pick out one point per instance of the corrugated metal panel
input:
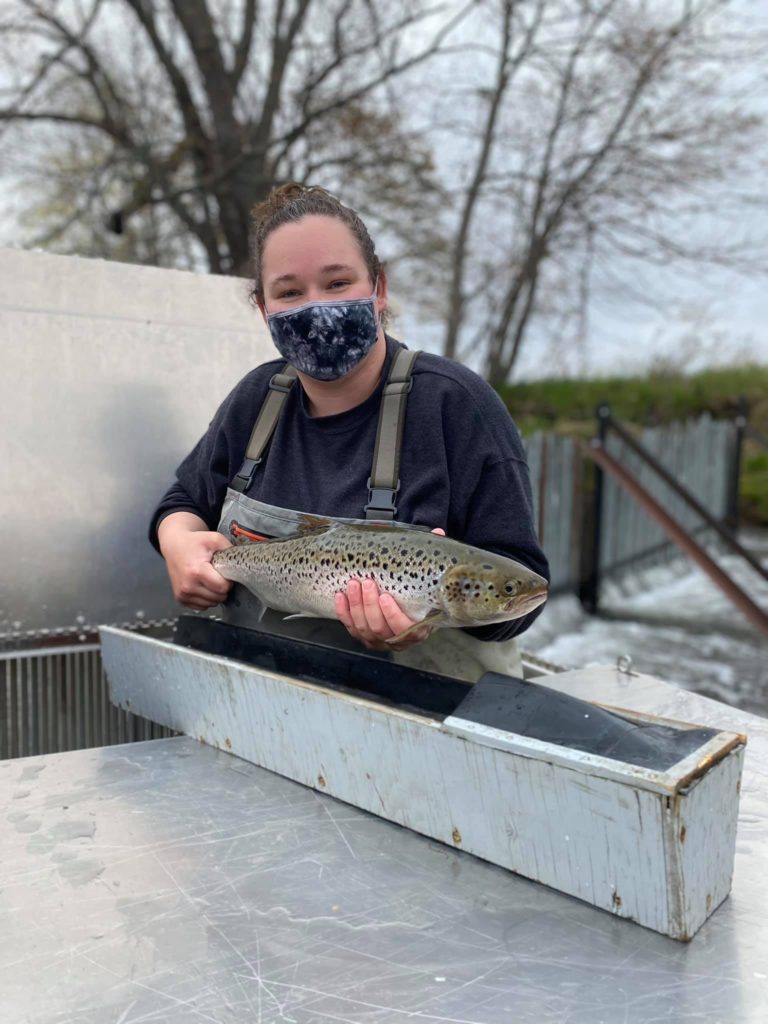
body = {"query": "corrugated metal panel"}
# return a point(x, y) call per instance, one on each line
point(554, 463)
point(698, 453)
point(54, 699)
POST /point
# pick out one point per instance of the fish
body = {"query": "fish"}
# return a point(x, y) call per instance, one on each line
point(437, 581)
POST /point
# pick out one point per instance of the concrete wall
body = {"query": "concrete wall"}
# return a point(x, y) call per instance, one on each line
point(109, 373)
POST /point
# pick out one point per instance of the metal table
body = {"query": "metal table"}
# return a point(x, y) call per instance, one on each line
point(166, 881)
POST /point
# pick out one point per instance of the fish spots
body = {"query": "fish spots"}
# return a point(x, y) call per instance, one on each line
point(303, 572)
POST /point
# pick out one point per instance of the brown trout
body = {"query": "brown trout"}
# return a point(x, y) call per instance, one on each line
point(435, 580)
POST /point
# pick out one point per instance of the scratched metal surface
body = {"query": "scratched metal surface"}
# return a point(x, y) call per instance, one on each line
point(168, 882)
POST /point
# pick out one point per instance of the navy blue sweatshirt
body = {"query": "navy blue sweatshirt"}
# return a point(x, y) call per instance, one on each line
point(462, 467)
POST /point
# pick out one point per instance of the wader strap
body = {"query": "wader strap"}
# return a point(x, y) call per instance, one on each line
point(384, 481)
point(279, 386)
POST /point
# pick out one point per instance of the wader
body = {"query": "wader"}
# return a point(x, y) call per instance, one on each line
point(448, 651)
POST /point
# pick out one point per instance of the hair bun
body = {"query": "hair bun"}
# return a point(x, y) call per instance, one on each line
point(291, 202)
point(287, 195)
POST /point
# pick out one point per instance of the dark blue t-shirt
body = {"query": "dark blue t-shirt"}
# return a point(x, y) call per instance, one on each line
point(462, 466)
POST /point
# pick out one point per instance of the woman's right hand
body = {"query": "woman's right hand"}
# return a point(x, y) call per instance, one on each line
point(187, 545)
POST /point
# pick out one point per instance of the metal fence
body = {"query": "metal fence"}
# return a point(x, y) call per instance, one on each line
point(55, 699)
point(555, 466)
point(699, 453)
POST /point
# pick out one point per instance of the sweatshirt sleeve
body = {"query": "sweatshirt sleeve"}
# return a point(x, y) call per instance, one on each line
point(492, 502)
point(203, 476)
point(500, 519)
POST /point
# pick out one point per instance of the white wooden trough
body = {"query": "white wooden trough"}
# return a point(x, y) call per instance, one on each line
point(655, 845)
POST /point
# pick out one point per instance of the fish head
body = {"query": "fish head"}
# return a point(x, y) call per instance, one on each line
point(485, 592)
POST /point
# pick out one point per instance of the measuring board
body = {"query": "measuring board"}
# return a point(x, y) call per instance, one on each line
point(629, 812)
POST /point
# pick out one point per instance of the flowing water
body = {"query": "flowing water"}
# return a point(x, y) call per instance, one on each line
point(675, 624)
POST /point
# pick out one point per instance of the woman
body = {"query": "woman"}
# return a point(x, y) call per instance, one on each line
point(448, 455)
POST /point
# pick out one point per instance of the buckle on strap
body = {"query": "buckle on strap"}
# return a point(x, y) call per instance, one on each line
point(381, 500)
point(398, 387)
point(281, 382)
point(244, 477)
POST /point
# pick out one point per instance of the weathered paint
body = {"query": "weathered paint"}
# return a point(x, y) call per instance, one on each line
point(601, 832)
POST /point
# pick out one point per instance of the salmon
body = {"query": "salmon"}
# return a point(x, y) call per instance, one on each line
point(436, 581)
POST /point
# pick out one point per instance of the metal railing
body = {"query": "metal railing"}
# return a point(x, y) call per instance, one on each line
point(676, 527)
point(54, 699)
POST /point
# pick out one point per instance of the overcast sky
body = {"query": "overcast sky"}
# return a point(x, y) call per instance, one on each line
point(690, 318)
point(694, 319)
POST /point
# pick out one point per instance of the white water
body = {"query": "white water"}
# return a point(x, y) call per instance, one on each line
point(710, 648)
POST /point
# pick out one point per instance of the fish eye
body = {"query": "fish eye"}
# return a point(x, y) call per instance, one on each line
point(509, 588)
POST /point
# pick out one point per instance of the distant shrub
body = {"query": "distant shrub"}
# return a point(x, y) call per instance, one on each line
point(568, 407)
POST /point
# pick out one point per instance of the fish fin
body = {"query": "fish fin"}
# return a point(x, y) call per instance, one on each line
point(386, 524)
point(313, 524)
point(434, 617)
point(302, 615)
point(308, 523)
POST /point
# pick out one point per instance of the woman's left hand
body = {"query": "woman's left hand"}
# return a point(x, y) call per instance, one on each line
point(372, 617)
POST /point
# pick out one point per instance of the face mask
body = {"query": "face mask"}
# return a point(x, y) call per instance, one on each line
point(326, 339)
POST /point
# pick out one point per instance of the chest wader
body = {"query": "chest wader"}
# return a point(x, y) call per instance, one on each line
point(447, 651)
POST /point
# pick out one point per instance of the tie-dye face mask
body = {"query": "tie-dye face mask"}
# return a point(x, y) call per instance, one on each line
point(326, 339)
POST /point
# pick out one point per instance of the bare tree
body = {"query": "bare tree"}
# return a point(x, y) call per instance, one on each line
point(605, 132)
point(167, 120)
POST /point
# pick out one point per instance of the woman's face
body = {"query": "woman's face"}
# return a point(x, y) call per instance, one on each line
point(315, 258)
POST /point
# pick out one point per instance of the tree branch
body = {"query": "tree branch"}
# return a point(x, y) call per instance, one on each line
point(243, 48)
point(504, 73)
point(179, 84)
point(287, 140)
point(195, 19)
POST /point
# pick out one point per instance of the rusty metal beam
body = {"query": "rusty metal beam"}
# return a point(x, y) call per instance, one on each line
point(756, 615)
point(686, 495)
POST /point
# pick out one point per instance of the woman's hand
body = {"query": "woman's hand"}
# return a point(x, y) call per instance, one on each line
point(187, 545)
point(373, 618)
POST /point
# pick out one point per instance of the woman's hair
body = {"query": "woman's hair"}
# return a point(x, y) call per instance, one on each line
point(291, 202)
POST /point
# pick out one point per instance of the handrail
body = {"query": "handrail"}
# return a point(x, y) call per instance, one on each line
point(756, 615)
point(605, 415)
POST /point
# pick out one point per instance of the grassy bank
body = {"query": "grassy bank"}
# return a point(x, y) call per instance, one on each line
point(568, 407)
